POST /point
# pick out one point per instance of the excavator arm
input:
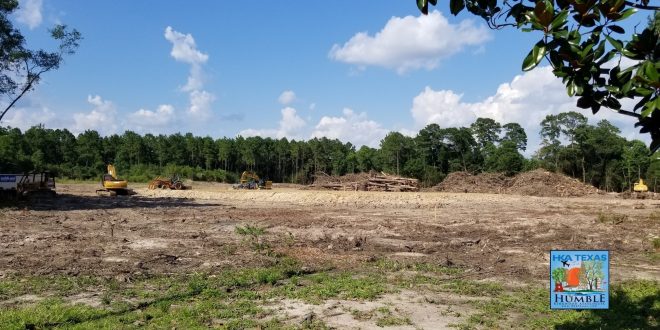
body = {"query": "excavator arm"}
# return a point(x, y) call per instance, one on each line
point(247, 175)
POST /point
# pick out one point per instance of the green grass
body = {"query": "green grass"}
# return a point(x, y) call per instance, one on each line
point(633, 305)
point(656, 243)
point(231, 300)
point(239, 298)
point(319, 287)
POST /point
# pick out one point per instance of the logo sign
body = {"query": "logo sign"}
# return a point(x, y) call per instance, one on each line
point(7, 178)
point(579, 279)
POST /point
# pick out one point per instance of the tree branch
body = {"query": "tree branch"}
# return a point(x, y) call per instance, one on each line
point(628, 113)
point(25, 90)
point(638, 6)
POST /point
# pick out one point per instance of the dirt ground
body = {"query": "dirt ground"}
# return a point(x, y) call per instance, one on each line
point(503, 237)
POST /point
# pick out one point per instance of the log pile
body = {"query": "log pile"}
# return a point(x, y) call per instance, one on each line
point(372, 181)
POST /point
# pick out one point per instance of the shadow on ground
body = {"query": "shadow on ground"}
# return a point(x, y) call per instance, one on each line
point(626, 312)
point(67, 202)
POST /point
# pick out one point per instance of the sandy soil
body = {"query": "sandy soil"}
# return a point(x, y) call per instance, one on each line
point(158, 231)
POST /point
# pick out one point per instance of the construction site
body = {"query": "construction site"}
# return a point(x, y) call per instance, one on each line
point(363, 251)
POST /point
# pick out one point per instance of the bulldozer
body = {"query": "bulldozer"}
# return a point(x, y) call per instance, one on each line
point(250, 180)
point(112, 185)
point(172, 183)
point(640, 186)
point(640, 189)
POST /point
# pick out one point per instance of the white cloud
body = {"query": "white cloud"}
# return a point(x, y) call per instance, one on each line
point(290, 126)
point(287, 97)
point(101, 118)
point(200, 104)
point(29, 13)
point(526, 100)
point(184, 49)
point(144, 119)
point(25, 118)
point(411, 43)
point(356, 128)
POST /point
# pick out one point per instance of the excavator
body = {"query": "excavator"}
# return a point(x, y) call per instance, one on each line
point(250, 180)
point(112, 185)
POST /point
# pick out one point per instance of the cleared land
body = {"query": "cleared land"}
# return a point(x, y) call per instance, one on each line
point(216, 257)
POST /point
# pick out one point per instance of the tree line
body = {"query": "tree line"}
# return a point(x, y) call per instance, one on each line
point(595, 154)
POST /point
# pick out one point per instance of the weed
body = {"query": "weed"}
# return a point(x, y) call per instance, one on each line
point(253, 231)
point(289, 239)
point(656, 243)
point(106, 298)
point(389, 319)
point(362, 315)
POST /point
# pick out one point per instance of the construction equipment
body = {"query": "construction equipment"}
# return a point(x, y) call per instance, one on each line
point(250, 180)
point(640, 186)
point(30, 185)
point(112, 185)
point(172, 183)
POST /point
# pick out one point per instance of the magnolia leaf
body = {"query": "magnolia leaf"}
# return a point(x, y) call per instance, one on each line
point(534, 57)
point(617, 44)
point(616, 28)
point(455, 6)
point(423, 6)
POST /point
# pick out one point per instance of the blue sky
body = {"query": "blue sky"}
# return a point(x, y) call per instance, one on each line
point(346, 69)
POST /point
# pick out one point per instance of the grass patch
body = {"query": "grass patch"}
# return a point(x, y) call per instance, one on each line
point(230, 300)
point(57, 285)
point(387, 318)
point(319, 287)
point(656, 243)
point(612, 218)
point(396, 265)
point(633, 305)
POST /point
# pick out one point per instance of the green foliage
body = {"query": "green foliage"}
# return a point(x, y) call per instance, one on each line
point(580, 40)
point(559, 274)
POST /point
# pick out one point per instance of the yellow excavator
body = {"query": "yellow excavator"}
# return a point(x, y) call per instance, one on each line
point(250, 180)
point(112, 185)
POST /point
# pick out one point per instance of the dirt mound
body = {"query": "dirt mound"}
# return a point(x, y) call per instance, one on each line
point(547, 184)
point(534, 183)
point(485, 183)
point(372, 181)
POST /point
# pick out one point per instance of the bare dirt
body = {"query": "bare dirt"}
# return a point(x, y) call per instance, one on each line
point(492, 236)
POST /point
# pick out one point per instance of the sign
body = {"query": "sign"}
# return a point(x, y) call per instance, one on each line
point(7, 178)
point(579, 279)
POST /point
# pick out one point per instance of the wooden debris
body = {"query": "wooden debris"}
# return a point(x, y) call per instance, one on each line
point(372, 181)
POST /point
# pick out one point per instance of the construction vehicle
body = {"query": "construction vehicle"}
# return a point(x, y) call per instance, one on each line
point(29, 185)
point(250, 180)
point(172, 183)
point(112, 185)
point(640, 186)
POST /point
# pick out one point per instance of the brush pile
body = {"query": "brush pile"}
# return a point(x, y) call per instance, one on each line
point(533, 183)
point(372, 181)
